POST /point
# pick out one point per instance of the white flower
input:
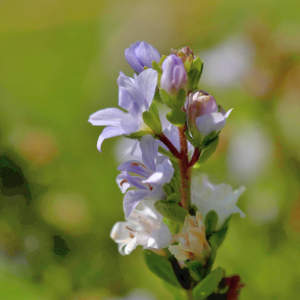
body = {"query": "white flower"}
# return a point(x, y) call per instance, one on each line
point(218, 197)
point(143, 227)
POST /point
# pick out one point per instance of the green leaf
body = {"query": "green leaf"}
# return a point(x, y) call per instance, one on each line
point(207, 286)
point(218, 237)
point(207, 152)
point(162, 60)
point(196, 269)
point(209, 139)
point(167, 153)
point(152, 122)
point(157, 97)
point(180, 99)
point(166, 98)
point(173, 198)
point(138, 135)
point(176, 117)
point(156, 67)
point(211, 221)
point(172, 211)
point(153, 109)
point(161, 267)
point(194, 73)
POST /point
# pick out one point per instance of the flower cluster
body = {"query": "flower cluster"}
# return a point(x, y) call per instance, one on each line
point(169, 208)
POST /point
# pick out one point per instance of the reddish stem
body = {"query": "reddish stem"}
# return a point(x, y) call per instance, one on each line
point(171, 147)
point(195, 157)
point(185, 174)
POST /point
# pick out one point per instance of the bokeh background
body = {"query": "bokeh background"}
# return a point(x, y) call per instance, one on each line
point(59, 61)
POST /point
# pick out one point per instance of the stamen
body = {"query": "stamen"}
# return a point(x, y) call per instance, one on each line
point(151, 187)
point(131, 235)
point(130, 229)
point(123, 181)
point(136, 164)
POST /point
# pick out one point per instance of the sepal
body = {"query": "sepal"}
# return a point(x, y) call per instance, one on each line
point(208, 285)
point(172, 211)
point(194, 73)
point(211, 221)
point(176, 117)
point(207, 152)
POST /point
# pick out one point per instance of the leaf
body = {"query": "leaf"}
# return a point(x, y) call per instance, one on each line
point(208, 152)
point(176, 117)
point(166, 98)
point(211, 221)
point(180, 99)
point(152, 122)
point(208, 284)
point(161, 267)
point(196, 269)
point(174, 198)
point(172, 211)
point(162, 60)
point(156, 67)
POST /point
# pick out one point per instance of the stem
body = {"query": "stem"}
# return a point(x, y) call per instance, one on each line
point(185, 173)
point(195, 157)
point(171, 147)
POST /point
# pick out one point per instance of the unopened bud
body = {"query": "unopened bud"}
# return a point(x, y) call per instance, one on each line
point(140, 55)
point(199, 104)
point(174, 77)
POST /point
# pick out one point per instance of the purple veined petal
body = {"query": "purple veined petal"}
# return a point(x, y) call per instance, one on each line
point(147, 82)
point(130, 91)
point(132, 59)
point(166, 78)
point(146, 53)
point(136, 150)
point(179, 77)
point(157, 193)
point(134, 181)
point(149, 149)
point(210, 122)
point(134, 166)
point(107, 117)
point(162, 175)
point(132, 199)
point(109, 132)
point(130, 124)
point(124, 98)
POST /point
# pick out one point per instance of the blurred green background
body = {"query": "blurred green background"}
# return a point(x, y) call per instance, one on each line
point(59, 61)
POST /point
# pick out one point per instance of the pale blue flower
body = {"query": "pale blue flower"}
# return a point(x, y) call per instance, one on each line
point(141, 54)
point(135, 96)
point(153, 172)
point(174, 75)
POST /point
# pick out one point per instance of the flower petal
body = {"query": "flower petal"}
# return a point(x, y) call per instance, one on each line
point(133, 166)
point(132, 59)
point(163, 174)
point(132, 199)
point(210, 122)
point(108, 132)
point(147, 82)
point(149, 149)
point(146, 53)
point(107, 116)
